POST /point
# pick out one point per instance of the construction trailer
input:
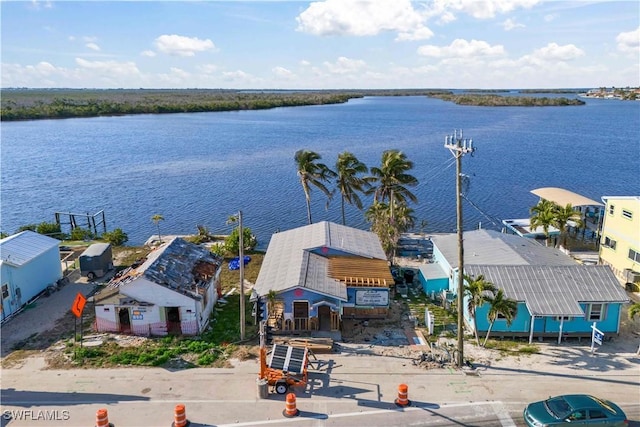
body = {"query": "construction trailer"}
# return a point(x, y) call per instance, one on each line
point(286, 367)
point(96, 260)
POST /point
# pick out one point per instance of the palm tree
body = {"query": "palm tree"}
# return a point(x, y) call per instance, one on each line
point(379, 215)
point(156, 219)
point(500, 305)
point(543, 215)
point(477, 290)
point(562, 217)
point(391, 179)
point(349, 182)
point(634, 310)
point(311, 172)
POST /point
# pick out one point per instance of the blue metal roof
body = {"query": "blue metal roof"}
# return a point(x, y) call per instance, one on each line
point(21, 248)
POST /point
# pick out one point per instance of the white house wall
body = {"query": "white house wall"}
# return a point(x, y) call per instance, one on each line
point(143, 290)
point(106, 318)
point(28, 280)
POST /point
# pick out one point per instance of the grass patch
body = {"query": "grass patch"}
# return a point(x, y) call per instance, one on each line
point(509, 346)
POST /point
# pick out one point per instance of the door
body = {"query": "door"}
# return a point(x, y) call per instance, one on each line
point(324, 317)
point(124, 320)
point(301, 315)
point(173, 321)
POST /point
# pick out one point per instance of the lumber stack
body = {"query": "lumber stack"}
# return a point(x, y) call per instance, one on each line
point(316, 345)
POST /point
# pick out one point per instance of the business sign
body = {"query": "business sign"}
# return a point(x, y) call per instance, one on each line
point(596, 336)
point(372, 297)
point(137, 315)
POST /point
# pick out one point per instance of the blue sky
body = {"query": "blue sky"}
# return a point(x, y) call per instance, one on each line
point(330, 44)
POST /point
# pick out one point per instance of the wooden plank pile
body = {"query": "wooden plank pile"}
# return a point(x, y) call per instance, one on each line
point(316, 345)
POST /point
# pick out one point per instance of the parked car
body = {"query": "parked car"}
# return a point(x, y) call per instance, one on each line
point(574, 409)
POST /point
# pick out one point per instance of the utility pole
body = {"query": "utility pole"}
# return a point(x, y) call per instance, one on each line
point(241, 259)
point(459, 147)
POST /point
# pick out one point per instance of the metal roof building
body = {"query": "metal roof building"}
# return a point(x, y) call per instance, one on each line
point(306, 256)
point(490, 247)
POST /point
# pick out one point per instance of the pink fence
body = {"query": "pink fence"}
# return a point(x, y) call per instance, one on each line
point(148, 329)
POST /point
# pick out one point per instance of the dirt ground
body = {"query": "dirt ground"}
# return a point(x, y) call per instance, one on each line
point(30, 334)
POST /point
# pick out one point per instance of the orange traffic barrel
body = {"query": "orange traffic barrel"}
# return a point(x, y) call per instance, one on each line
point(180, 417)
point(403, 395)
point(290, 409)
point(102, 418)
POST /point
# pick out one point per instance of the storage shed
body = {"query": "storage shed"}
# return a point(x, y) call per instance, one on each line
point(96, 260)
point(29, 262)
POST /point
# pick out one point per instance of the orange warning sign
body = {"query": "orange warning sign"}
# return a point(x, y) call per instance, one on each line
point(78, 305)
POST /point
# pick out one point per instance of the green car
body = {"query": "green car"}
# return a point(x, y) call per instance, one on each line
point(574, 410)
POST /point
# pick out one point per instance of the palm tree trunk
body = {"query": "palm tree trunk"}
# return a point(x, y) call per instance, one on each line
point(484, 344)
point(309, 210)
point(475, 329)
point(342, 208)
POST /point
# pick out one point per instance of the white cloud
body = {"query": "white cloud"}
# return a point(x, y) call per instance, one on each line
point(629, 42)
point(510, 24)
point(148, 53)
point(487, 8)
point(207, 68)
point(109, 67)
point(363, 18)
point(345, 65)
point(549, 18)
point(37, 5)
point(305, 63)
point(555, 52)
point(93, 46)
point(461, 48)
point(182, 46)
point(282, 72)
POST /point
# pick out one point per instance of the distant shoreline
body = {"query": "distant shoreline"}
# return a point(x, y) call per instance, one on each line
point(41, 104)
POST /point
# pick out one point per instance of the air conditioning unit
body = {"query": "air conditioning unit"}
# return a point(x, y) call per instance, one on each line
point(632, 276)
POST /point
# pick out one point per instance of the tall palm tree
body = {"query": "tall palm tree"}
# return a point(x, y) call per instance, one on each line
point(156, 219)
point(500, 305)
point(543, 215)
point(312, 172)
point(349, 180)
point(391, 179)
point(379, 215)
point(477, 290)
point(562, 217)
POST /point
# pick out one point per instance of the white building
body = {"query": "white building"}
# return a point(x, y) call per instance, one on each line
point(29, 262)
point(172, 292)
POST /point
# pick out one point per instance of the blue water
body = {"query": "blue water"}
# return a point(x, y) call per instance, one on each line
point(200, 168)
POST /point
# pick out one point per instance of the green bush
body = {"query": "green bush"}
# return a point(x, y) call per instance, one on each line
point(116, 237)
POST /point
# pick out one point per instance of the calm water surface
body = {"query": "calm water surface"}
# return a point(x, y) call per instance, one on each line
point(201, 168)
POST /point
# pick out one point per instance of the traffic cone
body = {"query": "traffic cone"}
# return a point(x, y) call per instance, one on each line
point(102, 418)
point(290, 409)
point(180, 417)
point(403, 396)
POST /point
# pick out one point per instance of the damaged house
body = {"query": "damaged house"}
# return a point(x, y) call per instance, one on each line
point(172, 292)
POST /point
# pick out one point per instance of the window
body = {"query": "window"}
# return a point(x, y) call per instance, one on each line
point(609, 243)
point(596, 414)
point(634, 255)
point(563, 318)
point(612, 209)
point(627, 214)
point(5, 291)
point(596, 312)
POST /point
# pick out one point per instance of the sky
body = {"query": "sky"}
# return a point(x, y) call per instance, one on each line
point(328, 44)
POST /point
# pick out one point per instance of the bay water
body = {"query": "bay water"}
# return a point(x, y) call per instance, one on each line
point(200, 168)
